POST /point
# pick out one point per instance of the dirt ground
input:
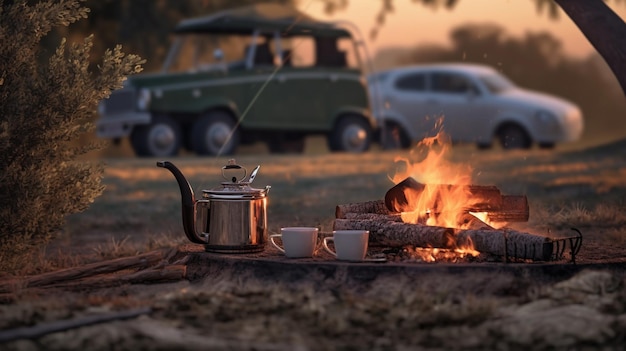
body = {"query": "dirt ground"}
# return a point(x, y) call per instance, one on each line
point(470, 306)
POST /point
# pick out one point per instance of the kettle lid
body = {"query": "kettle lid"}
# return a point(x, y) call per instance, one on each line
point(235, 188)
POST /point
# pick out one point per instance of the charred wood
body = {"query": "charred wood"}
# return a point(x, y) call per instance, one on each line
point(481, 198)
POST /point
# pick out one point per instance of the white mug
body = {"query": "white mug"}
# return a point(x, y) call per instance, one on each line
point(351, 245)
point(297, 241)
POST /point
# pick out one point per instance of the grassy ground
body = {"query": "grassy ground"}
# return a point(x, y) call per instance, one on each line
point(140, 211)
point(140, 208)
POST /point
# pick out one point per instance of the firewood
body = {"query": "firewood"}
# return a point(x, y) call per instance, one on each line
point(469, 221)
point(506, 243)
point(394, 217)
point(481, 197)
point(166, 274)
point(398, 234)
point(514, 209)
point(376, 206)
point(76, 273)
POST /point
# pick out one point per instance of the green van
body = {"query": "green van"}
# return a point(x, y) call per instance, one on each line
point(261, 73)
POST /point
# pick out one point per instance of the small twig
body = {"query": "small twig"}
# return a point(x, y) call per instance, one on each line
point(63, 325)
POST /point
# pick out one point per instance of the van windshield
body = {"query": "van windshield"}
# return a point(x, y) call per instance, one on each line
point(193, 52)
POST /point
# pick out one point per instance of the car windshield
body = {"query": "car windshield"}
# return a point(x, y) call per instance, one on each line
point(496, 83)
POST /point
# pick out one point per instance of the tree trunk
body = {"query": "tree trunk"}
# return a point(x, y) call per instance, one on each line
point(604, 29)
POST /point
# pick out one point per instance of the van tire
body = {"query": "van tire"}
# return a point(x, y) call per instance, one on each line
point(351, 134)
point(215, 134)
point(161, 138)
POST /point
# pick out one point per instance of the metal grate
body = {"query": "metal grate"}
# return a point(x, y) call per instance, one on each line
point(553, 250)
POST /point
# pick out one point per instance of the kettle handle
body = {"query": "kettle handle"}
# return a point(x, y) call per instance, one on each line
point(188, 202)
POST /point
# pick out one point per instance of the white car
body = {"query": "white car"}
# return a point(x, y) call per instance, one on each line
point(476, 103)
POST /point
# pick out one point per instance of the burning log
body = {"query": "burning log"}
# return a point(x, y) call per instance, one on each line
point(483, 198)
point(507, 243)
point(469, 221)
point(514, 209)
point(501, 208)
point(398, 234)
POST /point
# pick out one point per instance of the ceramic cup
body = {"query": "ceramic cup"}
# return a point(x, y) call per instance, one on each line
point(297, 241)
point(351, 245)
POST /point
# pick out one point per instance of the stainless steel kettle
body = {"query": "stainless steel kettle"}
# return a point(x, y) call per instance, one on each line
point(231, 218)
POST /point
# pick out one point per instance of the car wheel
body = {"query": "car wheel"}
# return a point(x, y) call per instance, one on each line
point(351, 134)
point(394, 137)
point(287, 146)
point(214, 134)
point(513, 136)
point(161, 138)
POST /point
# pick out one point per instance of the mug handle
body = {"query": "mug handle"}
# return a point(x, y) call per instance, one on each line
point(276, 245)
point(325, 243)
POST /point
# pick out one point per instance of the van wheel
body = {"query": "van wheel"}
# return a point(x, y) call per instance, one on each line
point(286, 145)
point(351, 134)
point(215, 134)
point(512, 136)
point(161, 138)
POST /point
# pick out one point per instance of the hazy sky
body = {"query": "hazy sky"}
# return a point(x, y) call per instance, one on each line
point(413, 24)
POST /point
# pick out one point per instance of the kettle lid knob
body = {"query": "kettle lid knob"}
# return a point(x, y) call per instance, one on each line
point(232, 165)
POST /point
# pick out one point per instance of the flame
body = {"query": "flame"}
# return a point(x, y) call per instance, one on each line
point(445, 197)
point(437, 204)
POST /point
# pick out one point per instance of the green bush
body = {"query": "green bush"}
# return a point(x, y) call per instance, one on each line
point(45, 107)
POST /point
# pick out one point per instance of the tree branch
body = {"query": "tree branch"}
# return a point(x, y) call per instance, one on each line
point(604, 29)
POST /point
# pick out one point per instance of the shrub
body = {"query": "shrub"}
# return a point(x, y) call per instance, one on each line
point(45, 107)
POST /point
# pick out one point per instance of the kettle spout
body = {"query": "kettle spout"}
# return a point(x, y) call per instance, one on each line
point(188, 202)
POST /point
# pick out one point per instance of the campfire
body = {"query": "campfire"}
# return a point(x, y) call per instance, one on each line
point(434, 211)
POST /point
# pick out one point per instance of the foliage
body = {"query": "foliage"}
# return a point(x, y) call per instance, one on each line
point(43, 110)
point(143, 25)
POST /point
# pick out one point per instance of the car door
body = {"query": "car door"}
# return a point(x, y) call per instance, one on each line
point(462, 105)
point(410, 98)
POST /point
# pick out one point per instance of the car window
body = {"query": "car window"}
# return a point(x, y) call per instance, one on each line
point(496, 83)
point(412, 82)
point(451, 83)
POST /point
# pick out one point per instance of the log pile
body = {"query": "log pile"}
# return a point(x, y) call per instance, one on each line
point(383, 219)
